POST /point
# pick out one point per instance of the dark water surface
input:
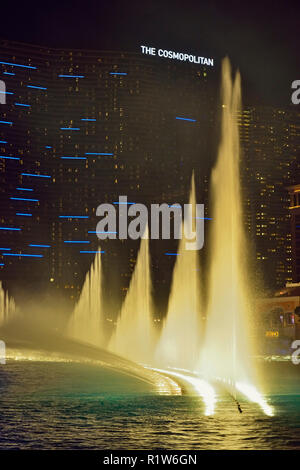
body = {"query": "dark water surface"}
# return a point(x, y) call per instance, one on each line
point(65, 405)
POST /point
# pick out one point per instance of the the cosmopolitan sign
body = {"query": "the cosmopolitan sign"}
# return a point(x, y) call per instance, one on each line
point(177, 56)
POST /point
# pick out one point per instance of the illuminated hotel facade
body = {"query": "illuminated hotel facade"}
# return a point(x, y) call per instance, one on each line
point(80, 128)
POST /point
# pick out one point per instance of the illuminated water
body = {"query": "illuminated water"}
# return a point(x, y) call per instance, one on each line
point(86, 323)
point(79, 406)
point(134, 335)
point(179, 341)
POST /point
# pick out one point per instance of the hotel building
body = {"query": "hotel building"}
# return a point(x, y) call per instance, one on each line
point(79, 128)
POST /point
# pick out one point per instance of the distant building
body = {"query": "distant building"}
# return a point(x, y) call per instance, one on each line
point(295, 230)
point(279, 316)
point(270, 141)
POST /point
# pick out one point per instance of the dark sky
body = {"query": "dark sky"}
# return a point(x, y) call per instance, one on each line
point(261, 38)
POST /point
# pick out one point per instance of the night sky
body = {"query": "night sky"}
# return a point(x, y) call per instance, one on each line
point(261, 38)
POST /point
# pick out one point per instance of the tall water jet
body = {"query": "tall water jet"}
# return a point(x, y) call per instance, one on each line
point(226, 352)
point(87, 320)
point(134, 336)
point(7, 306)
point(180, 337)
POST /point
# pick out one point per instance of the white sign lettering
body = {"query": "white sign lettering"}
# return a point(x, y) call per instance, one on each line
point(177, 56)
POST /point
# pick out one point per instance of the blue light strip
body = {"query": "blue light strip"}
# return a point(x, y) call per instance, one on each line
point(83, 251)
point(9, 228)
point(22, 255)
point(172, 254)
point(98, 153)
point(24, 214)
point(24, 189)
point(70, 128)
point(8, 73)
point(9, 158)
point(119, 203)
point(76, 241)
point(48, 147)
point(73, 158)
point(74, 216)
point(117, 73)
point(18, 65)
point(204, 218)
point(38, 176)
point(22, 104)
point(24, 199)
point(6, 249)
point(2, 264)
point(37, 87)
point(185, 119)
point(40, 246)
point(71, 76)
point(6, 92)
point(3, 141)
point(86, 119)
point(5, 122)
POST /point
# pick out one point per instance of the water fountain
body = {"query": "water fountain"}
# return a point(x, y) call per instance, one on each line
point(227, 350)
point(87, 322)
point(7, 306)
point(134, 335)
point(179, 341)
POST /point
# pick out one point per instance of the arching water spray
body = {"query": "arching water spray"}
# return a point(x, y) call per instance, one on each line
point(7, 306)
point(87, 321)
point(135, 336)
point(180, 337)
point(227, 349)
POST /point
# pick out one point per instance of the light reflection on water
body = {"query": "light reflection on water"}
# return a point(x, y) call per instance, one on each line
point(71, 405)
